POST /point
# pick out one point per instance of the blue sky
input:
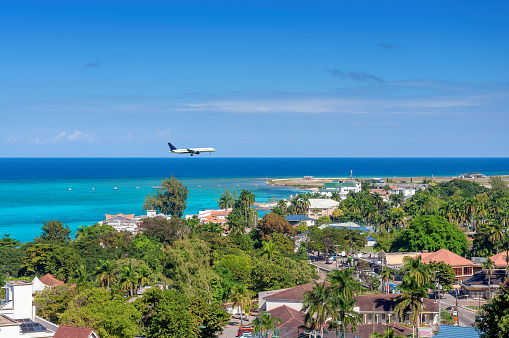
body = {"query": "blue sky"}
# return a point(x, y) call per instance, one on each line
point(254, 78)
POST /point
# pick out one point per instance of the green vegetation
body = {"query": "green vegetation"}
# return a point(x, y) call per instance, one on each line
point(493, 318)
point(192, 269)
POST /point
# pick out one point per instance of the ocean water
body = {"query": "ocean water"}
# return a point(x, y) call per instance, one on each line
point(34, 190)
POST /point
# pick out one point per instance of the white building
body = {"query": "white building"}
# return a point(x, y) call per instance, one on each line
point(17, 314)
point(343, 188)
point(319, 207)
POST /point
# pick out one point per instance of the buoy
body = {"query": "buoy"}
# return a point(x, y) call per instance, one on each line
point(137, 187)
point(115, 188)
point(218, 186)
point(256, 185)
point(70, 189)
point(199, 186)
point(93, 188)
point(237, 185)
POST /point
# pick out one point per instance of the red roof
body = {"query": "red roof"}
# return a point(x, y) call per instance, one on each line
point(446, 256)
point(499, 259)
point(49, 280)
point(290, 318)
point(65, 331)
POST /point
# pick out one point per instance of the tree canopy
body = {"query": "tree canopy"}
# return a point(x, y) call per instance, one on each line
point(170, 198)
point(431, 233)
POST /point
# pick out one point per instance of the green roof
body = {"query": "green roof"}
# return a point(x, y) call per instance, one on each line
point(339, 185)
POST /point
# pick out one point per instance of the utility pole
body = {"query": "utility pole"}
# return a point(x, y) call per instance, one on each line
point(457, 309)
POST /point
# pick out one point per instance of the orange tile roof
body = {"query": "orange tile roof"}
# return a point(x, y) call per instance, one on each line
point(49, 280)
point(446, 256)
point(121, 215)
point(499, 259)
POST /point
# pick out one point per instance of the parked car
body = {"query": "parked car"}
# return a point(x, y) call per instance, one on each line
point(243, 330)
point(329, 260)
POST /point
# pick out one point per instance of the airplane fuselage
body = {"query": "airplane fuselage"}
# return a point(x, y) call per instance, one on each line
point(191, 151)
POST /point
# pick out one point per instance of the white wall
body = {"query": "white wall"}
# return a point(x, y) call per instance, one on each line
point(272, 304)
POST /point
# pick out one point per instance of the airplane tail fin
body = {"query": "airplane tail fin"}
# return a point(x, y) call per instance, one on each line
point(171, 146)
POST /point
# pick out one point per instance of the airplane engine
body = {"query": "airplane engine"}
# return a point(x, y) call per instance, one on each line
point(197, 153)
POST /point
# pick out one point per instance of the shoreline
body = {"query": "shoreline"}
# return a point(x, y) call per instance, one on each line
point(315, 183)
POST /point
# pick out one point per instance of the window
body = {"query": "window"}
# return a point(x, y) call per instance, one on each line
point(468, 270)
point(458, 271)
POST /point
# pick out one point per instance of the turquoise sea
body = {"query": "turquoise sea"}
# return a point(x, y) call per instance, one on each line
point(34, 190)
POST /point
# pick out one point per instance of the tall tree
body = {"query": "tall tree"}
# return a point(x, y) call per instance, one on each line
point(170, 198)
point(411, 299)
point(241, 297)
point(54, 231)
point(265, 322)
point(317, 306)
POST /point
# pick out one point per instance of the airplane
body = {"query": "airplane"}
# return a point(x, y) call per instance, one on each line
point(191, 151)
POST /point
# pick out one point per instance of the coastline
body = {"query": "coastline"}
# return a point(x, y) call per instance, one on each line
point(315, 183)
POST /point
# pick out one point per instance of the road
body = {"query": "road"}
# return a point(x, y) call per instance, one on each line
point(466, 316)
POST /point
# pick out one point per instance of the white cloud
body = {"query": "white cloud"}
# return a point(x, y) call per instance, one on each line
point(59, 136)
point(80, 136)
point(11, 139)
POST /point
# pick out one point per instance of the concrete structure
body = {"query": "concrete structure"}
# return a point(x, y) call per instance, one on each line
point(17, 314)
point(121, 222)
point(214, 215)
point(395, 259)
point(295, 220)
point(319, 207)
point(343, 188)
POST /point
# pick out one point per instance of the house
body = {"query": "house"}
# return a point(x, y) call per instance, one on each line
point(343, 188)
point(65, 331)
point(319, 207)
point(214, 215)
point(395, 259)
point(17, 314)
point(370, 241)
point(374, 309)
point(38, 284)
point(448, 331)
point(481, 283)
point(462, 267)
point(500, 259)
point(121, 222)
point(296, 220)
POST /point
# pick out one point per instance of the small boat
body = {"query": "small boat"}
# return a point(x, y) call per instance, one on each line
point(256, 185)
point(70, 189)
point(199, 186)
point(93, 188)
point(237, 185)
point(137, 187)
point(218, 186)
point(115, 188)
point(156, 187)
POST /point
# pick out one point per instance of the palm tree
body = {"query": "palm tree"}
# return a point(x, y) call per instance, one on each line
point(129, 279)
point(317, 306)
point(496, 233)
point(411, 299)
point(336, 196)
point(489, 266)
point(226, 200)
point(416, 269)
point(241, 297)
point(386, 274)
point(105, 273)
point(343, 283)
point(344, 314)
point(265, 322)
point(81, 276)
point(269, 249)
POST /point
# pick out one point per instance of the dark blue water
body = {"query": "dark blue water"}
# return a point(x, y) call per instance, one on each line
point(36, 190)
